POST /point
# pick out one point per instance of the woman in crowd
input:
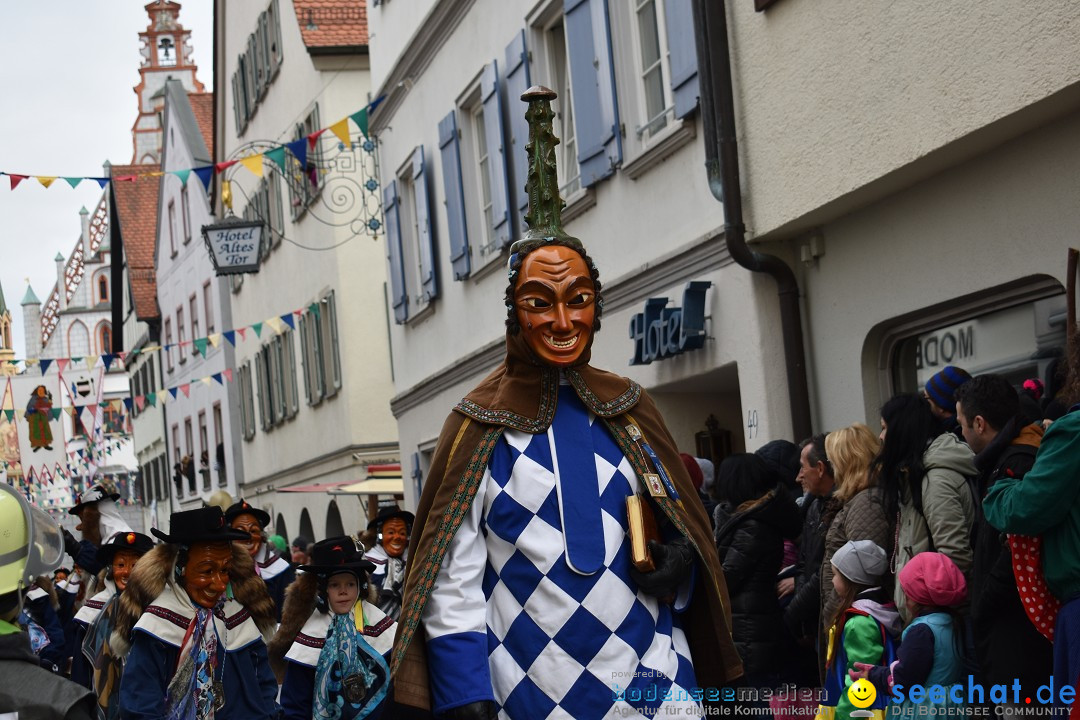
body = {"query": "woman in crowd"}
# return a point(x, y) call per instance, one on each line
point(861, 514)
point(924, 478)
point(753, 517)
point(334, 640)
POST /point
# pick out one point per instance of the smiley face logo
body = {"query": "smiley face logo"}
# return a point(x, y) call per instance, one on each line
point(862, 693)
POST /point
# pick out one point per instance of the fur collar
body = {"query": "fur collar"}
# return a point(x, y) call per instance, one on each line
point(154, 572)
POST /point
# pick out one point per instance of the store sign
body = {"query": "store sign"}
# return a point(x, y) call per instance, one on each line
point(235, 245)
point(661, 332)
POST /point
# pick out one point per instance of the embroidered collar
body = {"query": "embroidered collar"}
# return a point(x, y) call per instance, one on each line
point(92, 608)
point(379, 631)
point(167, 618)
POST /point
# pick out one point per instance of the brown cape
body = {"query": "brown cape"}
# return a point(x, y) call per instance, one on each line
point(521, 394)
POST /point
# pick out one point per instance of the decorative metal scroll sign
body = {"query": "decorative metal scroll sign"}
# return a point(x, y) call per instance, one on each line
point(235, 245)
point(662, 332)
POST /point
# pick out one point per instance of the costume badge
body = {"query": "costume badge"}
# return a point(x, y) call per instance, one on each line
point(655, 485)
point(354, 688)
point(218, 688)
point(633, 432)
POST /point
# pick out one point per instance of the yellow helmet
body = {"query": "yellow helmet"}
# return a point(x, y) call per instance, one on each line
point(30, 541)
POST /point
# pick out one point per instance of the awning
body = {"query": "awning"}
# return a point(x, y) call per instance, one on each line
point(372, 486)
point(317, 487)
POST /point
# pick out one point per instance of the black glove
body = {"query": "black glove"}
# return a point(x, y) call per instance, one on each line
point(481, 710)
point(71, 545)
point(673, 562)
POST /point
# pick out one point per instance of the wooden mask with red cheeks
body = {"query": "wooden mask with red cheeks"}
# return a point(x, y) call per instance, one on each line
point(123, 563)
point(395, 537)
point(554, 299)
point(206, 573)
point(248, 523)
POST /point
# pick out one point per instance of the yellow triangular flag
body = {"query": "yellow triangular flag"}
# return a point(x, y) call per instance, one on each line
point(214, 339)
point(46, 180)
point(276, 324)
point(151, 348)
point(254, 163)
point(155, 174)
point(341, 129)
point(205, 381)
point(117, 405)
point(91, 361)
point(30, 362)
point(162, 395)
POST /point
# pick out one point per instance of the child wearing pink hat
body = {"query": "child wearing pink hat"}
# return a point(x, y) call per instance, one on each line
point(931, 648)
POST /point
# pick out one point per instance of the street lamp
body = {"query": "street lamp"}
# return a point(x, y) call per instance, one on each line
point(235, 245)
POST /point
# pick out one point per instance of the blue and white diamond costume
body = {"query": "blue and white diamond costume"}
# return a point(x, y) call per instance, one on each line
point(509, 619)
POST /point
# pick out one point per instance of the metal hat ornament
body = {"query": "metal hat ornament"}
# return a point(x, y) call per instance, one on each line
point(542, 184)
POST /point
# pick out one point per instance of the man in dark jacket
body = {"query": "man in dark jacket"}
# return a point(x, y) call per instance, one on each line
point(1007, 645)
point(801, 615)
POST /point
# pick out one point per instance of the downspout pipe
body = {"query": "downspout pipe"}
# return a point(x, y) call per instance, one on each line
point(722, 168)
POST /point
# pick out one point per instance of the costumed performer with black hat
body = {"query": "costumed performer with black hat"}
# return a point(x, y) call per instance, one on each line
point(392, 527)
point(333, 644)
point(193, 651)
point(520, 597)
point(275, 571)
point(94, 664)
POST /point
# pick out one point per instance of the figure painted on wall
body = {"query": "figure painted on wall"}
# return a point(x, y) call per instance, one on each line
point(37, 415)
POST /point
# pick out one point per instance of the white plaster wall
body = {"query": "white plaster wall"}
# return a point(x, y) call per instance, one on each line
point(833, 96)
point(1006, 215)
point(390, 25)
point(313, 446)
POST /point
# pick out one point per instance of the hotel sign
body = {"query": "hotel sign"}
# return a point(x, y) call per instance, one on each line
point(235, 245)
point(661, 332)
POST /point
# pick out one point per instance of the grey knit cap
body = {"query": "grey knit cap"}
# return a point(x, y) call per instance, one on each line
point(861, 561)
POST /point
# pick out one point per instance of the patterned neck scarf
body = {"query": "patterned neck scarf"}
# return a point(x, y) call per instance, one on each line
point(106, 667)
point(191, 691)
point(351, 677)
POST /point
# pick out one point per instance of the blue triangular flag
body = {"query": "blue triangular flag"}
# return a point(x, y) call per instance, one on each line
point(44, 364)
point(230, 335)
point(172, 391)
point(107, 358)
point(128, 402)
point(101, 181)
point(217, 378)
point(205, 174)
point(299, 150)
point(287, 318)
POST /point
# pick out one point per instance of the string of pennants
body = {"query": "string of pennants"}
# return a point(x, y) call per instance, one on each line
point(254, 162)
point(201, 345)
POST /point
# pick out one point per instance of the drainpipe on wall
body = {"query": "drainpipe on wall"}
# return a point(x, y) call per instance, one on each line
point(722, 168)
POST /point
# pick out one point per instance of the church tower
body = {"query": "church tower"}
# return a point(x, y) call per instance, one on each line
point(166, 56)
point(7, 352)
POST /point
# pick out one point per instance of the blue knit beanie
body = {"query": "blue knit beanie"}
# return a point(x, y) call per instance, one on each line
point(942, 386)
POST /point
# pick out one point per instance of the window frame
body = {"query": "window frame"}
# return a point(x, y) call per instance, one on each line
point(168, 345)
point(181, 334)
point(208, 307)
point(193, 305)
point(185, 212)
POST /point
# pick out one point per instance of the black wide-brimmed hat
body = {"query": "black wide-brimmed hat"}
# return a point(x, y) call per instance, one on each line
point(92, 496)
point(335, 555)
point(389, 512)
point(200, 525)
point(244, 508)
point(131, 541)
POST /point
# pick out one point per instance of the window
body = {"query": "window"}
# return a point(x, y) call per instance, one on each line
point(105, 338)
point(208, 307)
point(172, 227)
point(257, 67)
point(265, 205)
point(558, 68)
point(185, 212)
point(247, 402)
point(204, 451)
point(137, 383)
point(162, 477)
point(181, 337)
point(410, 240)
point(193, 304)
point(319, 350)
point(189, 455)
point(178, 475)
point(652, 66)
point(103, 288)
point(305, 179)
point(218, 461)
point(275, 372)
point(168, 344)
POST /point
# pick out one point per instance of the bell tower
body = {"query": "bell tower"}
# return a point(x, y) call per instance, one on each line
point(166, 56)
point(7, 352)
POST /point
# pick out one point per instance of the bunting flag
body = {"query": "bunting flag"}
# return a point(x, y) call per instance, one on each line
point(361, 120)
point(183, 175)
point(73, 181)
point(16, 179)
point(276, 325)
point(230, 335)
point(299, 150)
point(276, 156)
point(205, 175)
point(254, 163)
point(46, 180)
point(289, 320)
point(341, 129)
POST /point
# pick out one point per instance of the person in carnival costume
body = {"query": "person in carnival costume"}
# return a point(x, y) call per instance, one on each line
point(274, 570)
point(31, 545)
point(392, 526)
point(93, 664)
point(193, 650)
point(520, 598)
point(333, 644)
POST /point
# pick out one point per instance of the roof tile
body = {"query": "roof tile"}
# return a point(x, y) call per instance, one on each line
point(332, 23)
point(136, 209)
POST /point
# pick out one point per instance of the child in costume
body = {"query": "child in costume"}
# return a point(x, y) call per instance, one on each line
point(864, 628)
point(94, 664)
point(336, 664)
point(931, 649)
point(195, 651)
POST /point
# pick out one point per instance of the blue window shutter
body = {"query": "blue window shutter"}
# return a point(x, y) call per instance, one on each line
point(682, 52)
point(417, 475)
point(399, 297)
point(517, 82)
point(450, 154)
point(596, 111)
point(429, 279)
point(493, 129)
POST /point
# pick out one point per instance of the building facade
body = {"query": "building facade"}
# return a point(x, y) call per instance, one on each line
point(314, 378)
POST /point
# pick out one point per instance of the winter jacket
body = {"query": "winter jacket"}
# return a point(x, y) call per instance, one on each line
point(1007, 645)
point(948, 511)
point(801, 614)
point(1047, 503)
point(866, 633)
point(750, 543)
point(861, 518)
point(32, 691)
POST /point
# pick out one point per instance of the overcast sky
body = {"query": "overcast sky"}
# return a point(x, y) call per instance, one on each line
point(67, 73)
